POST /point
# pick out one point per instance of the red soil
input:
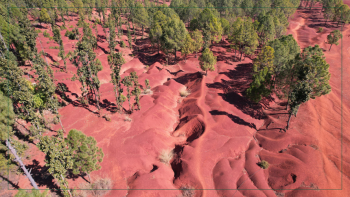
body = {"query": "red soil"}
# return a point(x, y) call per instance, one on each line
point(214, 129)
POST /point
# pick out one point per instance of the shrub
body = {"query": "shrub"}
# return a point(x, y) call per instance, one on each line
point(99, 187)
point(122, 44)
point(46, 35)
point(185, 93)
point(106, 117)
point(74, 77)
point(128, 119)
point(38, 31)
point(63, 27)
point(166, 156)
point(263, 164)
point(47, 42)
point(148, 91)
point(187, 191)
point(72, 35)
point(71, 26)
point(320, 29)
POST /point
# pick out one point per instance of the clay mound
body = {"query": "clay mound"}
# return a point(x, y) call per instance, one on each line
point(192, 129)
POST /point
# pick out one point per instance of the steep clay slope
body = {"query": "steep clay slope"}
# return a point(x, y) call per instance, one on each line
point(213, 131)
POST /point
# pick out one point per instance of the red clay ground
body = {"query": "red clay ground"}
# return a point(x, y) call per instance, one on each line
point(218, 137)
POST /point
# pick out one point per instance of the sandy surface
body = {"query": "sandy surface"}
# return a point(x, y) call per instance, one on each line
point(218, 137)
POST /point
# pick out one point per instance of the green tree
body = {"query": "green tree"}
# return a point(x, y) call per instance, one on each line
point(44, 16)
point(116, 61)
point(333, 38)
point(197, 40)
point(174, 32)
point(262, 75)
point(188, 46)
point(58, 158)
point(300, 94)
point(136, 91)
point(84, 59)
point(34, 193)
point(127, 81)
point(207, 61)
point(86, 155)
point(141, 16)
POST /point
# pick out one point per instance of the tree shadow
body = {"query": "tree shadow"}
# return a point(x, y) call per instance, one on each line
point(109, 106)
point(234, 90)
point(235, 119)
point(77, 103)
point(104, 50)
point(189, 77)
point(147, 59)
point(42, 176)
point(15, 186)
point(51, 58)
point(61, 90)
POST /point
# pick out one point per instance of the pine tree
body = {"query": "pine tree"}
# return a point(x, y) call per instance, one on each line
point(34, 193)
point(263, 68)
point(44, 16)
point(127, 81)
point(58, 158)
point(147, 84)
point(116, 61)
point(333, 38)
point(188, 46)
point(111, 40)
point(207, 61)
point(141, 16)
point(136, 91)
point(86, 155)
point(197, 40)
point(88, 66)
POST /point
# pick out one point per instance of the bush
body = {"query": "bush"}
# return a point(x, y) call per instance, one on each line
point(106, 117)
point(72, 35)
point(187, 191)
point(38, 31)
point(122, 44)
point(128, 119)
point(148, 91)
point(166, 156)
point(263, 164)
point(46, 35)
point(63, 27)
point(320, 29)
point(99, 187)
point(185, 93)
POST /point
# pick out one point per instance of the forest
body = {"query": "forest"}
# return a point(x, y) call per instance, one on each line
point(32, 97)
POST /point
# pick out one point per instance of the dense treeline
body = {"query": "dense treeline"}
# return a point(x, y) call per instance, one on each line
point(254, 29)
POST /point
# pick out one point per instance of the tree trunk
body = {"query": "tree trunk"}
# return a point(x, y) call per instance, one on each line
point(330, 47)
point(175, 56)
point(196, 54)
point(240, 59)
point(158, 46)
point(235, 53)
point(70, 194)
point(89, 177)
point(142, 31)
point(206, 73)
point(18, 159)
point(290, 115)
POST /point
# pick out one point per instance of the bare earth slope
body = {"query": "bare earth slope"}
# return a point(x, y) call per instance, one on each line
point(218, 136)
